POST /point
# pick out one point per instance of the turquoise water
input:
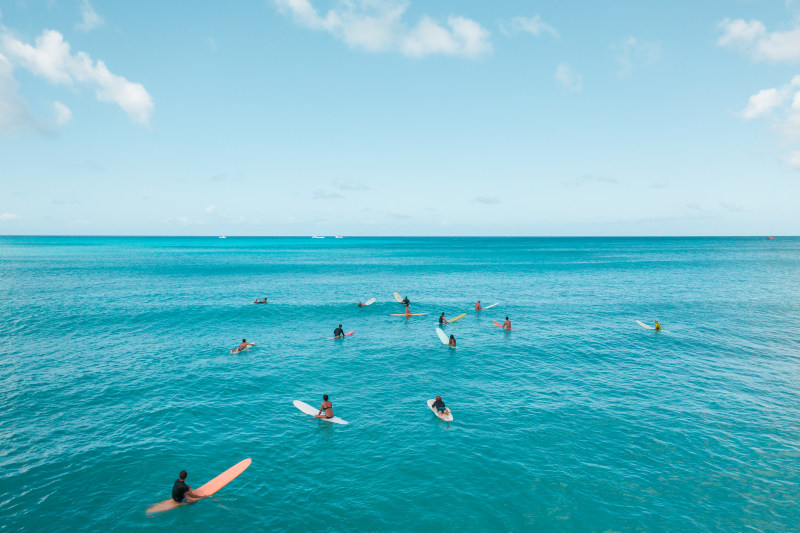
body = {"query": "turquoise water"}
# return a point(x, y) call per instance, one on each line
point(115, 375)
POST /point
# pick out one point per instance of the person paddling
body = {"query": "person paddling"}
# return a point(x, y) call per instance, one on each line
point(478, 306)
point(442, 320)
point(325, 408)
point(260, 302)
point(441, 409)
point(507, 324)
point(243, 346)
point(180, 490)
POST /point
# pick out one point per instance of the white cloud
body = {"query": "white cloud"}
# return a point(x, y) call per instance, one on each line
point(753, 39)
point(377, 26)
point(14, 113)
point(8, 216)
point(210, 208)
point(632, 52)
point(51, 58)
point(91, 19)
point(730, 206)
point(764, 101)
point(533, 25)
point(63, 113)
point(347, 185)
point(793, 160)
point(325, 195)
point(569, 79)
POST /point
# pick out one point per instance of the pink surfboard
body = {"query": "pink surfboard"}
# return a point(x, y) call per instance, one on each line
point(345, 335)
point(499, 325)
point(206, 490)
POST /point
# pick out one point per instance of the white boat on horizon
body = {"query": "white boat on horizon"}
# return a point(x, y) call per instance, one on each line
point(317, 237)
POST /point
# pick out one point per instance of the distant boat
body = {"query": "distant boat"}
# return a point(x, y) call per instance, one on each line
point(222, 237)
point(339, 237)
point(317, 237)
point(771, 238)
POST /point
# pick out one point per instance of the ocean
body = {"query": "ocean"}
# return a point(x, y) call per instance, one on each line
point(115, 375)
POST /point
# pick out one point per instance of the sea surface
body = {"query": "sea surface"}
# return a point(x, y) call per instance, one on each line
point(115, 375)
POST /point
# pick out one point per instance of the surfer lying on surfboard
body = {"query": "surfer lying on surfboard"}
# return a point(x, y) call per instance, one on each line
point(325, 407)
point(181, 492)
point(245, 345)
point(441, 409)
point(260, 301)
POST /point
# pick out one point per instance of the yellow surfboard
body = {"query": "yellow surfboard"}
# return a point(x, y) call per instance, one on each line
point(459, 317)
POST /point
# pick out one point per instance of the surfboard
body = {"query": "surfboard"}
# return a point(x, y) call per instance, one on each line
point(459, 317)
point(442, 336)
point(307, 409)
point(235, 350)
point(369, 302)
point(206, 490)
point(448, 418)
point(489, 306)
point(645, 326)
point(499, 325)
point(345, 335)
point(403, 314)
point(398, 298)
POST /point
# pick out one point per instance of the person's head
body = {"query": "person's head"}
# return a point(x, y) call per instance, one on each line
point(442, 313)
point(438, 398)
point(340, 325)
point(182, 475)
point(244, 340)
point(325, 397)
point(452, 338)
point(506, 318)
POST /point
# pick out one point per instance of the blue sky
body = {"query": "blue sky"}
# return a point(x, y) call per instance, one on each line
point(384, 117)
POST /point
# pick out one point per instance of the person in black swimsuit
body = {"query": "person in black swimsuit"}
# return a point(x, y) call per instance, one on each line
point(442, 320)
point(441, 409)
point(326, 407)
point(405, 301)
point(338, 333)
point(180, 490)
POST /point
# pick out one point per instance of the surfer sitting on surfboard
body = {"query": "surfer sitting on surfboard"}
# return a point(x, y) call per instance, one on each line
point(507, 324)
point(452, 342)
point(244, 345)
point(442, 320)
point(325, 407)
point(338, 333)
point(180, 490)
point(478, 306)
point(658, 326)
point(438, 404)
point(406, 302)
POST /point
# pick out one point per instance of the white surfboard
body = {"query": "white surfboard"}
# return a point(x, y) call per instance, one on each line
point(442, 336)
point(307, 409)
point(448, 418)
point(645, 326)
point(398, 298)
point(369, 302)
point(490, 306)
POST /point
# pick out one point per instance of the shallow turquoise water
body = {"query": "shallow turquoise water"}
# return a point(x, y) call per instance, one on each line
point(115, 375)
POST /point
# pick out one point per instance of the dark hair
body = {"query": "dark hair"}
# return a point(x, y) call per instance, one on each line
point(244, 340)
point(452, 337)
point(183, 475)
point(506, 318)
point(443, 313)
point(340, 325)
point(325, 397)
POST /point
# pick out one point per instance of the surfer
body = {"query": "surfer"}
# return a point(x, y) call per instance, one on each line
point(442, 320)
point(242, 346)
point(408, 312)
point(658, 326)
point(338, 333)
point(260, 302)
point(452, 342)
point(478, 306)
point(507, 324)
point(406, 302)
point(180, 490)
point(325, 407)
point(438, 404)
point(360, 304)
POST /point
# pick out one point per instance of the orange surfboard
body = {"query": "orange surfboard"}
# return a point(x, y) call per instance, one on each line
point(206, 490)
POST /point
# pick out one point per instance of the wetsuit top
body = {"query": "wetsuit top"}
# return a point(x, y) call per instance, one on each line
point(179, 490)
point(658, 326)
point(338, 332)
point(441, 320)
point(405, 301)
point(437, 403)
